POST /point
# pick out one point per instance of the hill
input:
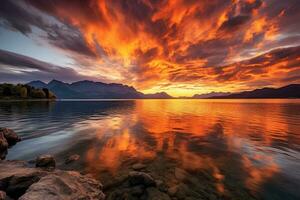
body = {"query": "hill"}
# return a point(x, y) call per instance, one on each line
point(94, 90)
point(289, 91)
point(19, 91)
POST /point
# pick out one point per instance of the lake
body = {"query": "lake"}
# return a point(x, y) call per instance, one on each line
point(211, 149)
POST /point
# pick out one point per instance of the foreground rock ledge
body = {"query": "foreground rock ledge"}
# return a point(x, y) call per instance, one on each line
point(8, 138)
point(19, 181)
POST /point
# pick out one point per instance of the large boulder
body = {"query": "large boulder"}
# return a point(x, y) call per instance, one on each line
point(45, 161)
point(64, 185)
point(3, 146)
point(16, 177)
point(19, 181)
point(11, 137)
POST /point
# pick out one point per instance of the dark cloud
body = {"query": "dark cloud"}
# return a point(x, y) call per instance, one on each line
point(248, 7)
point(234, 23)
point(16, 17)
point(21, 17)
point(15, 67)
point(68, 38)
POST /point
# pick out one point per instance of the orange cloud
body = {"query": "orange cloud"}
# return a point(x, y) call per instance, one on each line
point(156, 43)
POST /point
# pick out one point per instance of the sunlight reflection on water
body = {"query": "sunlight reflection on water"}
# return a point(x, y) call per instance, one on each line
point(242, 148)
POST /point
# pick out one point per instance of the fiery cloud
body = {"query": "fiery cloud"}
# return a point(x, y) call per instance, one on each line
point(179, 46)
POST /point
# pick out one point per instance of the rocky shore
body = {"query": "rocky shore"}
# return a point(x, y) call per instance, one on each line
point(8, 138)
point(40, 179)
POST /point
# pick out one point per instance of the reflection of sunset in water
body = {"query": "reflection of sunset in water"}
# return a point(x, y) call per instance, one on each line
point(231, 149)
point(197, 135)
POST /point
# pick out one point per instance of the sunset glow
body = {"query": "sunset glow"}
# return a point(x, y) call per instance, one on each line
point(177, 46)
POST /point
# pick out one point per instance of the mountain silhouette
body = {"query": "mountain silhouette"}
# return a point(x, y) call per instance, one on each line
point(95, 90)
point(98, 90)
point(289, 91)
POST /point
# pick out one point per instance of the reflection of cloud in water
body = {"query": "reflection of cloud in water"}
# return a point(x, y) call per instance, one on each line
point(235, 143)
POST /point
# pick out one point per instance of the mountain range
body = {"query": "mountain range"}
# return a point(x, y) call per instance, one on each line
point(289, 91)
point(95, 90)
point(98, 90)
point(210, 95)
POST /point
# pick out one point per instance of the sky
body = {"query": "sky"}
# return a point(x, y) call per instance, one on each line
point(182, 47)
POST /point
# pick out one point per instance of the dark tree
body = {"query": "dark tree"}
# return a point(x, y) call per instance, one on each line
point(7, 91)
point(46, 92)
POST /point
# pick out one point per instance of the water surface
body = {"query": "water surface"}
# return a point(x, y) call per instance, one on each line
point(233, 149)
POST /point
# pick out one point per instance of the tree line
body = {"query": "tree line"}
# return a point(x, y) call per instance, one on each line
point(20, 91)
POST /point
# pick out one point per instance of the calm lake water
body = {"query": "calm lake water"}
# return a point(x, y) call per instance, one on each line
point(214, 149)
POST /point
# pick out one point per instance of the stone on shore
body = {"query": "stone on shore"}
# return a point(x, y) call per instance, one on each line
point(3, 146)
point(45, 161)
point(72, 158)
point(19, 181)
point(64, 185)
point(7, 138)
point(16, 177)
point(11, 137)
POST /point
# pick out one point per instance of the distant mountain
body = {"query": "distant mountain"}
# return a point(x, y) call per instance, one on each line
point(289, 91)
point(94, 90)
point(160, 95)
point(211, 94)
point(38, 84)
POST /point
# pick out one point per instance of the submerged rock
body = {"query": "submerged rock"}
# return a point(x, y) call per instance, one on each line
point(45, 161)
point(180, 174)
point(138, 166)
point(141, 178)
point(154, 194)
point(72, 158)
point(161, 186)
point(178, 191)
point(11, 137)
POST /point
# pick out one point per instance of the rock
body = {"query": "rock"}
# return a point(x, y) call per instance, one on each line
point(22, 182)
point(2, 195)
point(140, 178)
point(11, 137)
point(180, 174)
point(155, 194)
point(173, 190)
point(16, 177)
point(138, 166)
point(3, 146)
point(72, 158)
point(62, 185)
point(18, 184)
point(178, 191)
point(45, 161)
point(137, 190)
point(161, 186)
point(115, 182)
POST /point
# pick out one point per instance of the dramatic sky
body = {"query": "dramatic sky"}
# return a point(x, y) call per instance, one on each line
point(182, 47)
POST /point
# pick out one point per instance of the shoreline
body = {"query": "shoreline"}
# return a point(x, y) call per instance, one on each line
point(41, 179)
